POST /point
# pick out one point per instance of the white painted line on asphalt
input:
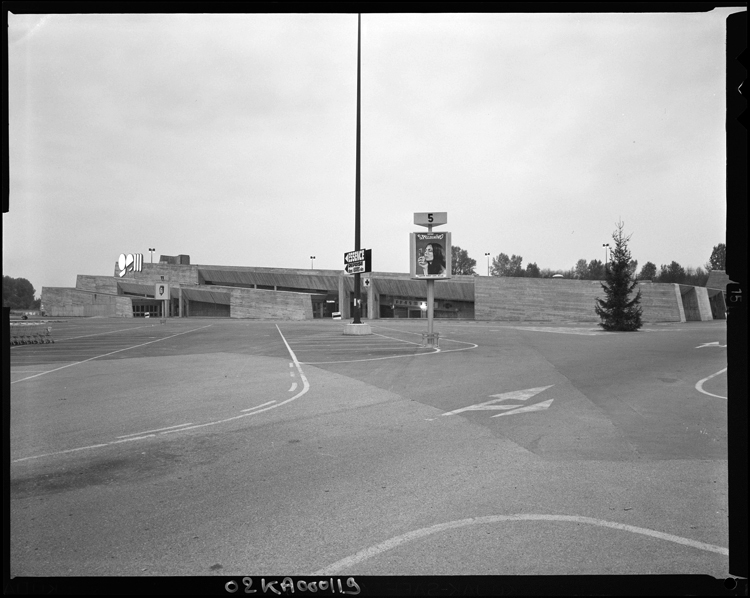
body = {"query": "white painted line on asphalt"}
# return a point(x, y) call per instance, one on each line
point(73, 450)
point(377, 549)
point(699, 385)
point(427, 351)
point(396, 339)
point(157, 430)
point(62, 340)
point(107, 354)
point(130, 439)
point(258, 406)
point(258, 409)
point(103, 333)
point(293, 388)
point(536, 407)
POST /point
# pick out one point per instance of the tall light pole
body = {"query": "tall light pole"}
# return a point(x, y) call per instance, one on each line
point(312, 262)
point(356, 189)
point(488, 263)
point(152, 249)
point(605, 245)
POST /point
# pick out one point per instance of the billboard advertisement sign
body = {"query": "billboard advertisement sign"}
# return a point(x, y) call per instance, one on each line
point(430, 255)
point(161, 291)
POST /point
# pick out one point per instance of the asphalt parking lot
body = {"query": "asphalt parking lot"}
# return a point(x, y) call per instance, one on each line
point(218, 447)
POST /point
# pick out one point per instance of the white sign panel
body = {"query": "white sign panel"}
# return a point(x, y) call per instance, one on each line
point(161, 291)
point(430, 218)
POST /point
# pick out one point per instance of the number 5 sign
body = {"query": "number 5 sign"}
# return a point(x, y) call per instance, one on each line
point(430, 218)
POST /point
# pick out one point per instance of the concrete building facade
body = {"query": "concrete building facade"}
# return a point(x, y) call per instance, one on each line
point(277, 293)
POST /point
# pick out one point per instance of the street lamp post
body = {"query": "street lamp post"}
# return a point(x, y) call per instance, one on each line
point(605, 245)
point(152, 249)
point(488, 263)
point(312, 262)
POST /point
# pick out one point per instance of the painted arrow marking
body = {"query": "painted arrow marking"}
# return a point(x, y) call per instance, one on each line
point(516, 395)
point(536, 407)
point(714, 344)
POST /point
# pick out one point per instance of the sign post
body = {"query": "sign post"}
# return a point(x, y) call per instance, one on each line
point(161, 293)
point(357, 262)
point(430, 260)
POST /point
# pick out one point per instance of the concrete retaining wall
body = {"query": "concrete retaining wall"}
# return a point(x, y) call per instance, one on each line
point(563, 300)
point(535, 299)
point(258, 303)
point(96, 284)
point(661, 302)
point(74, 302)
point(172, 273)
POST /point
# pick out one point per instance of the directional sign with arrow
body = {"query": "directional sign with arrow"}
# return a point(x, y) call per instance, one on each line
point(516, 395)
point(358, 261)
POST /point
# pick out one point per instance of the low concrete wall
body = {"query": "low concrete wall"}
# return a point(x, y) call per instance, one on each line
point(563, 300)
point(661, 302)
point(259, 303)
point(535, 299)
point(73, 302)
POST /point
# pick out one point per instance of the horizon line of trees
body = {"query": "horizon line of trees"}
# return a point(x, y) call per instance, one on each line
point(18, 293)
point(504, 265)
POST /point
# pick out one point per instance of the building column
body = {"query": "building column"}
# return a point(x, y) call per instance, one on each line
point(343, 298)
point(373, 301)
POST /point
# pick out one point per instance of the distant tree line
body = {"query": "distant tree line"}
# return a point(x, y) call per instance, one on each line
point(18, 293)
point(504, 265)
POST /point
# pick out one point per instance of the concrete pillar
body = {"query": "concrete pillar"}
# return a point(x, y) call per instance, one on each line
point(704, 304)
point(373, 301)
point(344, 298)
point(678, 294)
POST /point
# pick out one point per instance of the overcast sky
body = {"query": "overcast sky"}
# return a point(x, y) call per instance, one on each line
point(231, 138)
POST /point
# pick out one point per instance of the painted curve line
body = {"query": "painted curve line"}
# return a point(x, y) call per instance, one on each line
point(183, 428)
point(377, 549)
point(699, 385)
point(432, 352)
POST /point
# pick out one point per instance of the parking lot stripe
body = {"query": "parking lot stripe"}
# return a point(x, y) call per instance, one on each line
point(375, 550)
point(699, 385)
point(107, 354)
point(157, 430)
point(258, 406)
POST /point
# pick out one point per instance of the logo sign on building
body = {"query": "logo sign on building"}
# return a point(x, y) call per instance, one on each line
point(131, 262)
point(430, 255)
point(358, 261)
point(161, 291)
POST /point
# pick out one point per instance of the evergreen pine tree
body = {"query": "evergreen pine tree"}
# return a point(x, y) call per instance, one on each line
point(617, 311)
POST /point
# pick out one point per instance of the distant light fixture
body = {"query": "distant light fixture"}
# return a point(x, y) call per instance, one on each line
point(152, 249)
point(312, 261)
point(488, 263)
